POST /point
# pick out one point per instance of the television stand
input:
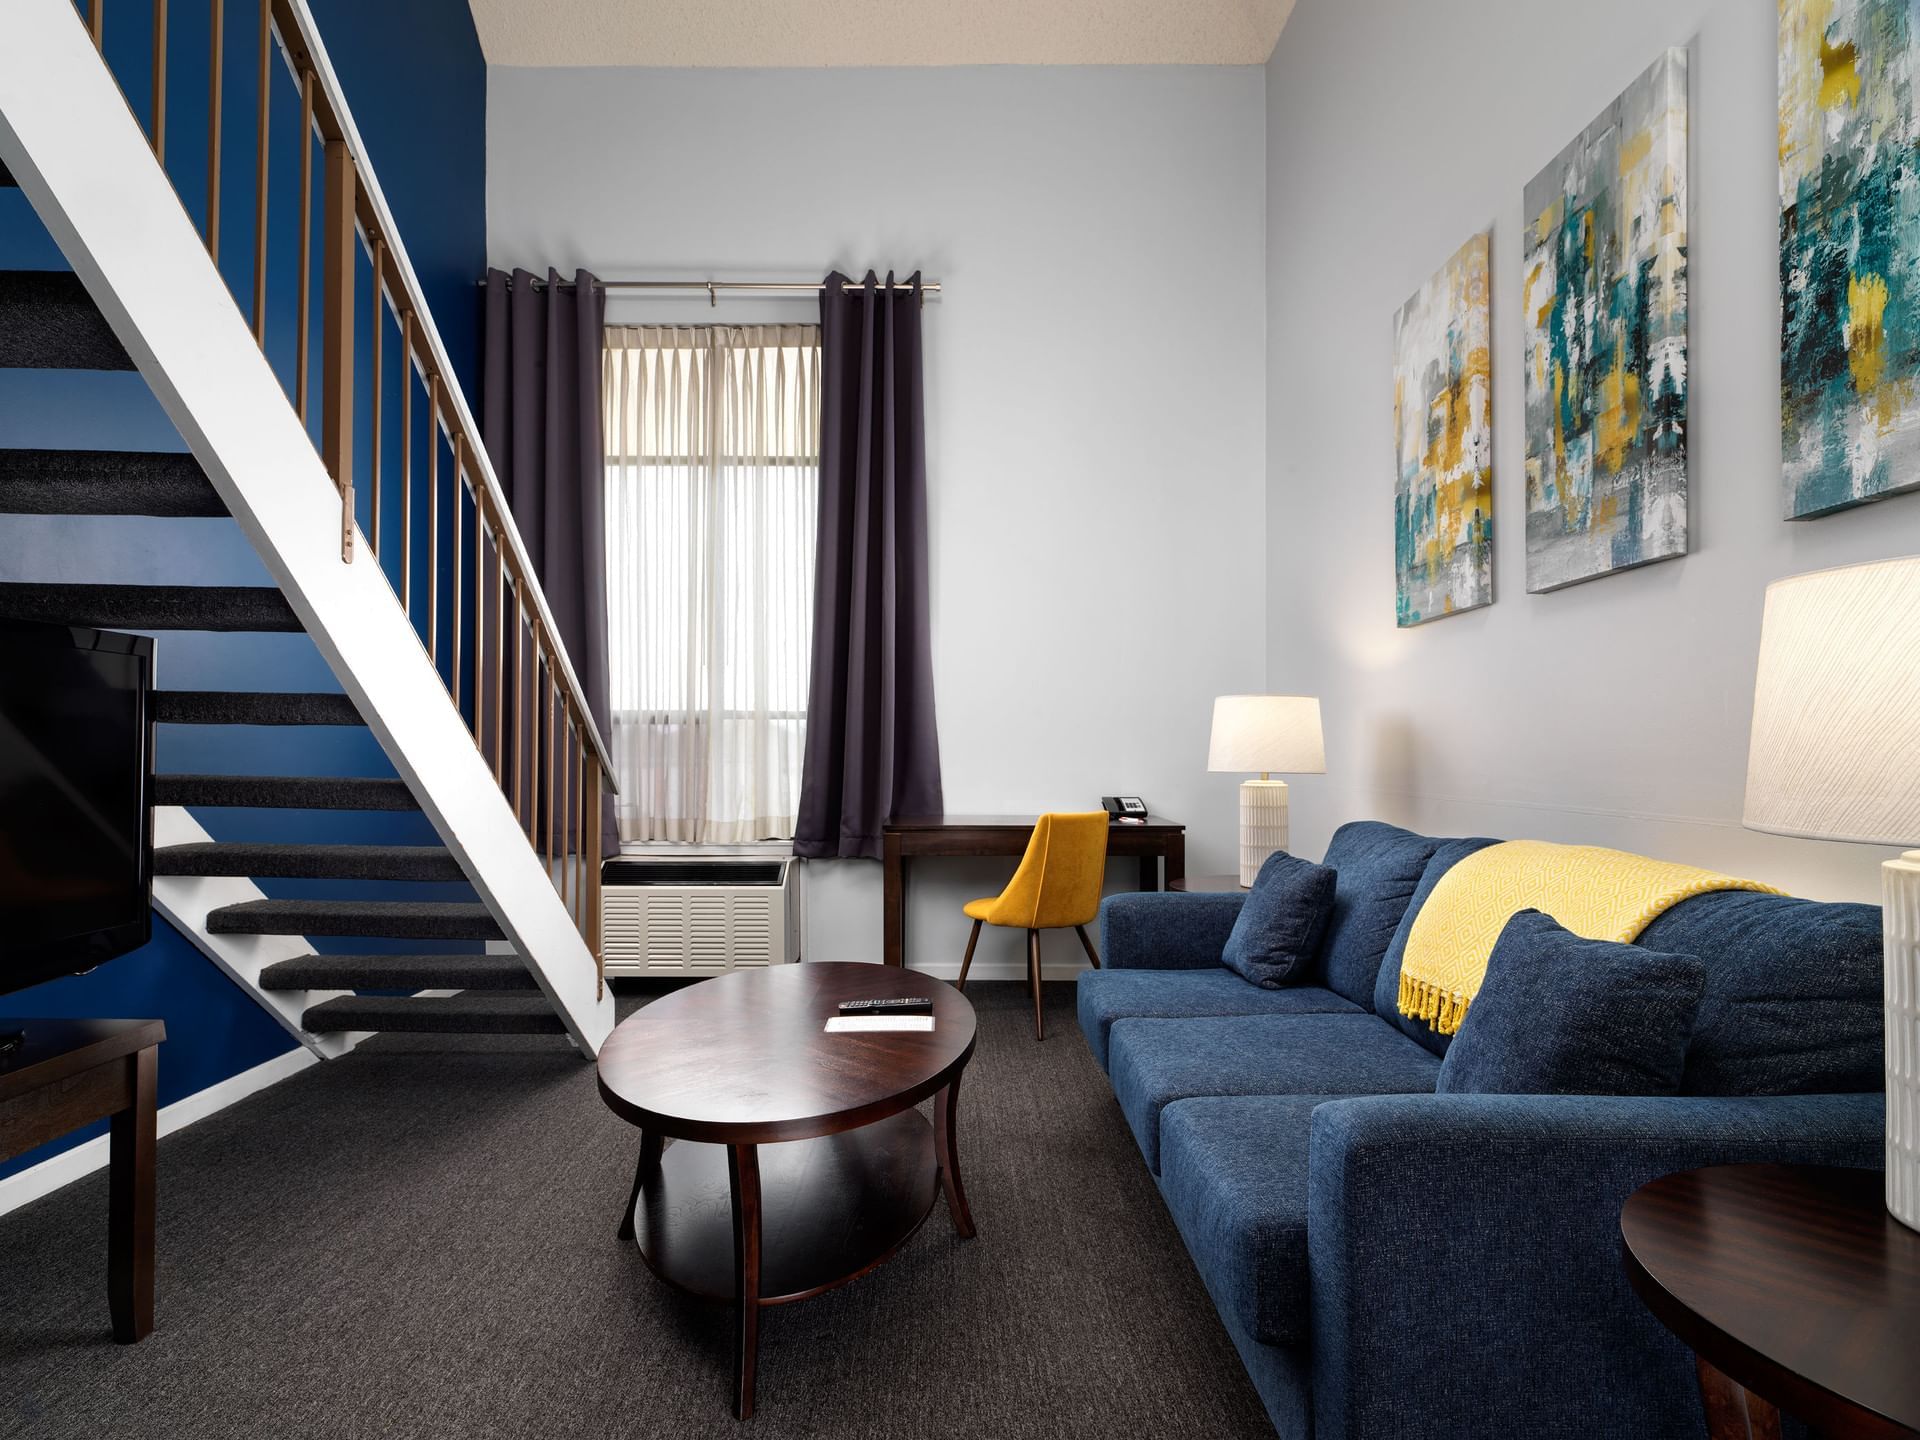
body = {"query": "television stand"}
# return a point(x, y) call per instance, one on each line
point(67, 1073)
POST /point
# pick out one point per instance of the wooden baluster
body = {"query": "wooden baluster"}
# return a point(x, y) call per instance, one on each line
point(459, 488)
point(499, 657)
point(218, 62)
point(519, 704)
point(591, 852)
point(97, 22)
point(406, 463)
point(578, 832)
point(379, 333)
point(160, 80)
point(566, 798)
point(433, 519)
point(260, 175)
point(479, 613)
point(336, 334)
point(550, 716)
point(303, 333)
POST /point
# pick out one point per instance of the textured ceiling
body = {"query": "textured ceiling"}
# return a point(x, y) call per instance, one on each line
point(879, 32)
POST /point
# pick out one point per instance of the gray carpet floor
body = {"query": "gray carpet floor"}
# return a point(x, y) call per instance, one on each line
point(418, 1240)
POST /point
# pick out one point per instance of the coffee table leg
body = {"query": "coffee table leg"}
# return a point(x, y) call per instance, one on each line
point(1733, 1411)
point(648, 1167)
point(946, 1115)
point(743, 1171)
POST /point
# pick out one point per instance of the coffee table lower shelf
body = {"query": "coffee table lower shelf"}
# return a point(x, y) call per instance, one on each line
point(831, 1209)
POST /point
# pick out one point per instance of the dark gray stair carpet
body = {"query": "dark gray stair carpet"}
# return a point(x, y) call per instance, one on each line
point(48, 322)
point(481, 1014)
point(151, 607)
point(398, 972)
point(105, 482)
point(283, 792)
point(310, 862)
point(401, 919)
point(251, 707)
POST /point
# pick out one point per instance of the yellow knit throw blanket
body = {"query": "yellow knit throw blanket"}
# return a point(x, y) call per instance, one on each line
point(1595, 892)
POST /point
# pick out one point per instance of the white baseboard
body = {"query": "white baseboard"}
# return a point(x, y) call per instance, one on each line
point(949, 969)
point(69, 1165)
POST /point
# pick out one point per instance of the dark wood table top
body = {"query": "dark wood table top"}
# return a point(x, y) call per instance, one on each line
point(55, 1049)
point(1794, 1281)
point(745, 1059)
point(910, 823)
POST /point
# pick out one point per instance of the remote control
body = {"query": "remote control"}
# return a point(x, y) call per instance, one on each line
point(904, 1005)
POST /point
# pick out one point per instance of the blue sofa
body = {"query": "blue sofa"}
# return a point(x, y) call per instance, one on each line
point(1392, 1262)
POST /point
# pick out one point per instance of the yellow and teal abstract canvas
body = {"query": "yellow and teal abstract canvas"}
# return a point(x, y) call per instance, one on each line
point(1849, 252)
point(1443, 442)
point(1604, 296)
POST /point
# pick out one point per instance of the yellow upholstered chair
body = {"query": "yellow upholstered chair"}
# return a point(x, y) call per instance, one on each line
point(1057, 885)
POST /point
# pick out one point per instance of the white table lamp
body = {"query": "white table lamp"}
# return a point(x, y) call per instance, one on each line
point(1265, 733)
point(1836, 756)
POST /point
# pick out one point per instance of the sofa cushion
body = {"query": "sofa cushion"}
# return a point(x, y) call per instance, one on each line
point(1793, 1004)
point(1154, 1062)
point(1234, 1172)
point(1280, 925)
point(1558, 1014)
point(1386, 987)
point(1109, 995)
point(1377, 867)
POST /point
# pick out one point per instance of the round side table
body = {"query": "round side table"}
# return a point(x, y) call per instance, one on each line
point(1795, 1289)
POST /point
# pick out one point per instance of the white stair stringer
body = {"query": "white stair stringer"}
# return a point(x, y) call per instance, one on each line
point(186, 901)
point(78, 154)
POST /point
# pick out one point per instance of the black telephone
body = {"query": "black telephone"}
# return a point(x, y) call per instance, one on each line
point(1127, 808)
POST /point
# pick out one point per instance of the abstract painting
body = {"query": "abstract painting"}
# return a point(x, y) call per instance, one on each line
point(1604, 296)
point(1849, 253)
point(1443, 442)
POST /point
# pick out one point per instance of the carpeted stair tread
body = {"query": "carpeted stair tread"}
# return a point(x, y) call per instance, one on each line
point(49, 322)
point(105, 482)
point(310, 862)
point(151, 607)
point(283, 792)
point(252, 707)
point(401, 919)
point(398, 972)
point(466, 1014)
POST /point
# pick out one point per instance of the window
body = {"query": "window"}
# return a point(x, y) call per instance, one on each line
point(712, 484)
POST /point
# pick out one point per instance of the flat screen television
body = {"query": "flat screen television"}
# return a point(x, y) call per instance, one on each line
point(76, 837)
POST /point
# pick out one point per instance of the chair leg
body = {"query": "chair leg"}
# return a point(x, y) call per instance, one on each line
point(1087, 945)
point(1033, 970)
point(972, 940)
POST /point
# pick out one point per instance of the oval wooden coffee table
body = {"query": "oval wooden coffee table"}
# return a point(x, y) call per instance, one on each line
point(849, 1168)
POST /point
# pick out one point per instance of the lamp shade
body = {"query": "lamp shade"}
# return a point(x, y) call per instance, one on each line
point(1267, 733)
point(1835, 753)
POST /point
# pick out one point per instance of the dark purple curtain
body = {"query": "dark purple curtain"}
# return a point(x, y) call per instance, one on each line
point(540, 409)
point(873, 751)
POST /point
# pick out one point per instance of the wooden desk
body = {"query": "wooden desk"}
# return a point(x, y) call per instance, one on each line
point(1155, 842)
point(69, 1073)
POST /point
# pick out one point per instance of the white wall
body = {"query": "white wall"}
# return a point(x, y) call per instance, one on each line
point(1094, 386)
point(1614, 712)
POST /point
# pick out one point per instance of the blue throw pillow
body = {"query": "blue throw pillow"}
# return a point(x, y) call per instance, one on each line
point(1560, 1015)
point(1281, 922)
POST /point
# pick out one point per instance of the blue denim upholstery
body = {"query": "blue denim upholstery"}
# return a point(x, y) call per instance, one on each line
point(1378, 867)
point(1281, 921)
point(1234, 1174)
point(1462, 1251)
point(1793, 1003)
point(1155, 1062)
point(1465, 1256)
point(1386, 989)
point(1558, 1014)
point(1166, 929)
point(1108, 995)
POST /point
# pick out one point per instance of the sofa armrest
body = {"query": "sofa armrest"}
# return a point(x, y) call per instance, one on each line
point(1166, 929)
point(1465, 1254)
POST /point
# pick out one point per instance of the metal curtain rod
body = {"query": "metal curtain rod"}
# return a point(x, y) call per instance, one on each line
point(712, 287)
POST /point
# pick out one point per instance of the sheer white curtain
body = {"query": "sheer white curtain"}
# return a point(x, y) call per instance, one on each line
point(712, 485)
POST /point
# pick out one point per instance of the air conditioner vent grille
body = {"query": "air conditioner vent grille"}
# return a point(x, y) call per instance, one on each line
point(701, 928)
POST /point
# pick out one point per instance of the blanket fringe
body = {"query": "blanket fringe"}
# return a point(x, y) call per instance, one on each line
point(1442, 1010)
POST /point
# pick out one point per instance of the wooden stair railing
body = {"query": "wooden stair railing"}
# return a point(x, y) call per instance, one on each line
point(544, 749)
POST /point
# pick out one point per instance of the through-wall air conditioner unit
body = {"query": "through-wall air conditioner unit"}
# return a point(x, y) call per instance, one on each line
point(662, 918)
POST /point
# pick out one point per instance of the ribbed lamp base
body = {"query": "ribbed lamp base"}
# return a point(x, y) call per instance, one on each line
point(1901, 886)
point(1263, 824)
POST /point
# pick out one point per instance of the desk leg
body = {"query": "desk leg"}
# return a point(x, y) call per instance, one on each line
point(893, 903)
point(1176, 859)
point(130, 1203)
point(743, 1170)
point(1734, 1412)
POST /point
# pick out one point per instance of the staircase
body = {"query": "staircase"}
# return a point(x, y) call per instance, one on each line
point(144, 295)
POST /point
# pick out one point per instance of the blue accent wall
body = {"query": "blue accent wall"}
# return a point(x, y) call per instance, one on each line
point(415, 82)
